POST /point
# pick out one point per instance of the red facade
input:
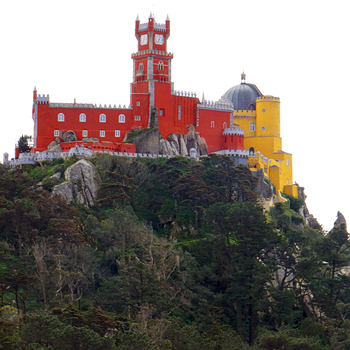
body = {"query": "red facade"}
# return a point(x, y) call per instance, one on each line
point(151, 87)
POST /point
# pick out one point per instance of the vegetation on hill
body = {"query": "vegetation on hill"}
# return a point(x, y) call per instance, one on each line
point(175, 255)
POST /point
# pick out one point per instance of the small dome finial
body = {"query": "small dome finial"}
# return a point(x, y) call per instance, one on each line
point(243, 77)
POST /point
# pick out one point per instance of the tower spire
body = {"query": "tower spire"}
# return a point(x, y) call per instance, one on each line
point(242, 78)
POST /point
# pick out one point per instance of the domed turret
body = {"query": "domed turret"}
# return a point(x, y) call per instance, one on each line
point(243, 96)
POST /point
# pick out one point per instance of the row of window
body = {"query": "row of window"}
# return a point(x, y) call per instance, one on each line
point(103, 118)
point(56, 133)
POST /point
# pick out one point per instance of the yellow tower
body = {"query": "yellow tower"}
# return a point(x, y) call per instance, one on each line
point(259, 117)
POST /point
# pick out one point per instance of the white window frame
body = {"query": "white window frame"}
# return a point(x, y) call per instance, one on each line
point(212, 124)
point(179, 112)
point(117, 133)
point(121, 118)
point(102, 133)
point(251, 126)
point(56, 133)
point(82, 118)
point(103, 118)
point(137, 118)
point(60, 117)
point(85, 133)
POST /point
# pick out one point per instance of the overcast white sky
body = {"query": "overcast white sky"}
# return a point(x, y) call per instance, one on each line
point(296, 50)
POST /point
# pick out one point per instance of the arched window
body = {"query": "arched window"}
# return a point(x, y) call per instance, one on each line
point(212, 124)
point(160, 66)
point(103, 118)
point(140, 68)
point(82, 118)
point(121, 118)
point(60, 117)
point(251, 150)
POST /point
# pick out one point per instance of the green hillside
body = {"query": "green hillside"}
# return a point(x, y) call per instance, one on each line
point(176, 254)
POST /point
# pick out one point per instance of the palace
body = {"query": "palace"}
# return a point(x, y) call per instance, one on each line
point(242, 122)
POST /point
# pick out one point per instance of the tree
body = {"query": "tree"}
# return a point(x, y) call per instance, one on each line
point(23, 144)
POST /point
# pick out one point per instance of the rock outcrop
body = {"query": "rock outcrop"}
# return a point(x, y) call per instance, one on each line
point(81, 184)
point(54, 146)
point(69, 136)
point(175, 144)
point(340, 221)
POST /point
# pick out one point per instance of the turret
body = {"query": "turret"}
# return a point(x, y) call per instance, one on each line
point(137, 25)
point(167, 26)
point(35, 94)
point(151, 22)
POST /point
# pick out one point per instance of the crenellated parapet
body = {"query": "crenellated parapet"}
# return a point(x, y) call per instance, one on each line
point(184, 93)
point(233, 131)
point(88, 105)
point(268, 99)
point(216, 105)
point(42, 99)
point(152, 53)
point(244, 113)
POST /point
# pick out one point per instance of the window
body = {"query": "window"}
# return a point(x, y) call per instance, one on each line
point(212, 124)
point(82, 118)
point(56, 133)
point(287, 162)
point(161, 66)
point(252, 126)
point(102, 118)
point(263, 110)
point(287, 181)
point(137, 117)
point(179, 112)
point(85, 133)
point(121, 118)
point(117, 133)
point(138, 103)
point(161, 112)
point(60, 117)
point(140, 68)
point(102, 133)
point(263, 128)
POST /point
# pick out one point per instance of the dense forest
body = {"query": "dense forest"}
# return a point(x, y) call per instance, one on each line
point(175, 254)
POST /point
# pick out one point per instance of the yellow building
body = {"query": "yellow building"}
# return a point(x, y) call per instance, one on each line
point(259, 116)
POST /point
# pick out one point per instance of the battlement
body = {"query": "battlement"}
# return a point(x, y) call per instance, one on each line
point(87, 105)
point(43, 99)
point(233, 131)
point(143, 27)
point(217, 105)
point(184, 93)
point(153, 53)
point(267, 98)
point(244, 113)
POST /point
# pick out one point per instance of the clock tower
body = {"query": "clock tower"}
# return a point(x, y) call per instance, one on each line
point(151, 68)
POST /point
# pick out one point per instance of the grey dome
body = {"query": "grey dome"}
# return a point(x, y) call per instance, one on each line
point(242, 96)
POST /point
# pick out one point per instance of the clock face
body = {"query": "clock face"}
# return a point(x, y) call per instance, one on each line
point(143, 40)
point(159, 39)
